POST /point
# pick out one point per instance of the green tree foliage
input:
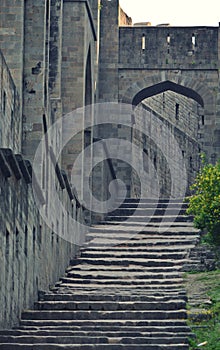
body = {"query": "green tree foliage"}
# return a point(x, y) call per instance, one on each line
point(204, 203)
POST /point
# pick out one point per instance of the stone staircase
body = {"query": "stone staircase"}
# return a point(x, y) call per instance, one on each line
point(123, 292)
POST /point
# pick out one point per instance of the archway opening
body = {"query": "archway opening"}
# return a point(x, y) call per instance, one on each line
point(165, 86)
point(179, 111)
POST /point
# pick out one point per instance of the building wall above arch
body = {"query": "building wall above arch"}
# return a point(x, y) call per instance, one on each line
point(202, 86)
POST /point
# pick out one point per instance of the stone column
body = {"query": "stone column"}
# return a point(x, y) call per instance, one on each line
point(109, 48)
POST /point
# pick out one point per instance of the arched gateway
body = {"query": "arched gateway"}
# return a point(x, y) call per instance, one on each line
point(144, 62)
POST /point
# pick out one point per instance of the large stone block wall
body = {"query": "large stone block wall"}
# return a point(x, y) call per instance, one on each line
point(32, 255)
point(169, 47)
point(35, 73)
point(109, 48)
point(204, 82)
point(12, 38)
point(157, 119)
point(79, 73)
point(10, 120)
point(183, 112)
point(101, 181)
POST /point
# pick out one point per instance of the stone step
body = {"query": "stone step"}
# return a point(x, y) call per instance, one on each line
point(159, 230)
point(132, 240)
point(121, 275)
point(153, 218)
point(151, 205)
point(17, 346)
point(139, 227)
point(108, 243)
point(143, 237)
point(135, 255)
point(140, 245)
point(27, 339)
point(94, 287)
point(114, 291)
point(124, 249)
point(148, 224)
point(83, 329)
point(152, 200)
point(129, 269)
point(98, 288)
point(148, 211)
point(166, 261)
point(127, 332)
point(83, 323)
point(148, 246)
point(103, 315)
point(110, 306)
point(105, 241)
point(155, 297)
point(148, 280)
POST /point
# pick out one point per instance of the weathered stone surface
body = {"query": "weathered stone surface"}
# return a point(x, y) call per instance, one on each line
point(115, 297)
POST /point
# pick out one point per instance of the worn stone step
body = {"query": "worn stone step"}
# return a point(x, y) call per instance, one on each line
point(147, 282)
point(153, 218)
point(129, 269)
point(135, 255)
point(152, 200)
point(100, 328)
point(103, 315)
point(123, 249)
point(123, 291)
point(82, 323)
point(140, 245)
point(122, 275)
point(92, 340)
point(119, 276)
point(132, 240)
point(107, 243)
point(110, 346)
point(114, 289)
point(152, 297)
point(110, 306)
point(127, 332)
point(133, 205)
point(148, 211)
point(147, 224)
point(159, 230)
point(127, 262)
point(155, 245)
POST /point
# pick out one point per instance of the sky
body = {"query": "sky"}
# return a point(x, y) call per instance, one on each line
point(174, 12)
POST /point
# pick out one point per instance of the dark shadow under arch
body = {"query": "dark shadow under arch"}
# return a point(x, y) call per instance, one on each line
point(164, 86)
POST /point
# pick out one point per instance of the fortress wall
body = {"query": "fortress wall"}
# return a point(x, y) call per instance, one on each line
point(10, 117)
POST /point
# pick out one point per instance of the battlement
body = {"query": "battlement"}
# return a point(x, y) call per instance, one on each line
point(169, 47)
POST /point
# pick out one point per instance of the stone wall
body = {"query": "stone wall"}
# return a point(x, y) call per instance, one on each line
point(12, 38)
point(109, 48)
point(183, 112)
point(32, 255)
point(10, 121)
point(160, 121)
point(169, 47)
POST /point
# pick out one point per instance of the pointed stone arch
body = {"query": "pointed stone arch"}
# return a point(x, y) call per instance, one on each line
point(165, 86)
point(178, 82)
